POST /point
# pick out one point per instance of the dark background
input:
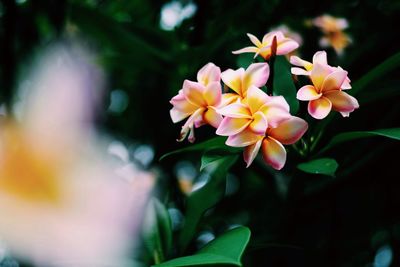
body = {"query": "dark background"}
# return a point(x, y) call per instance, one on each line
point(306, 220)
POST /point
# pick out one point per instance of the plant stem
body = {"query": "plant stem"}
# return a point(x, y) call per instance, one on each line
point(158, 257)
point(271, 62)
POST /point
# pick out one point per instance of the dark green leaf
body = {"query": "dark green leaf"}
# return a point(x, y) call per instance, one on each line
point(244, 60)
point(216, 142)
point(379, 71)
point(224, 250)
point(325, 166)
point(283, 83)
point(393, 133)
point(385, 91)
point(157, 230)
point(213, 155)
point(205, 197)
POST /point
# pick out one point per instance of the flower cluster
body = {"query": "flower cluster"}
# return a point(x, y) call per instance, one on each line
point(249, 117)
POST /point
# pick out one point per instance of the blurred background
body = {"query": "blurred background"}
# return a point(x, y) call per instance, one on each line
point(147, 49)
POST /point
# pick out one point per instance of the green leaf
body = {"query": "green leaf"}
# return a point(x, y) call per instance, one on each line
point(393, 133)
point(244, 60)
point(216, 142)
point(157, 230)
point(206, 197)
point(210, 156)
point(224, 250)
point(283, 83)
point(325, 166)
point(388, 65)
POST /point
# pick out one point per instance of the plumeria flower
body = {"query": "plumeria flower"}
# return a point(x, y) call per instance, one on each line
point(325, 93)
point(256, 113)
point(286, 132)
point(241, 80)
point(328, 23)
point(290, 34)
point(338, 40)
point(319, 57)
point(284, 45)
point(61, 201)
point(333, 28)
point(199, 101)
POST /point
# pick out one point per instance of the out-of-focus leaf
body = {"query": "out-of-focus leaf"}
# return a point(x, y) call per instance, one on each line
point(393, 133)
point(325, 166)
point(283, 83)
point(110, 32)
point(213, 155)
point(216, 142)
point(205, 197)
point(377, 95)
point(157, 230)
point(224, 250)
point(386, 66)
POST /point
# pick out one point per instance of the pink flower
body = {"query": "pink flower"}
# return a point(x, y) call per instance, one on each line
point(240, 80)
point(325, 93)
point(255, 112)
point(263, 121)
point(286, 132)
point(290, 34)
point(328, 23)
point(319, 57)
point(284, 45)
point(333, 28)
point(199, 101)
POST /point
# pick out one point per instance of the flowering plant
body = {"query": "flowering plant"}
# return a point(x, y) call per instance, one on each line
point(256, 108)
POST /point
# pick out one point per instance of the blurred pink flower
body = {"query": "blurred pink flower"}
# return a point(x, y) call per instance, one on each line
point(285, 45)
point(332, 28)
point(62, 202)
point(325, 93)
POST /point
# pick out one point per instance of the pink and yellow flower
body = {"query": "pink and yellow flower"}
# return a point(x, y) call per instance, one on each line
point(319, 57)
point(326, 93)
point(199, 101)
point(263, 121)
point(255, 112)
point(284, 45)
point(241, 80)
point(290, 34)
point(286, 132)
point(333, 28)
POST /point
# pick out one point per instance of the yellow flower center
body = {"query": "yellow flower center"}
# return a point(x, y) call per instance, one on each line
point(26, 173)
